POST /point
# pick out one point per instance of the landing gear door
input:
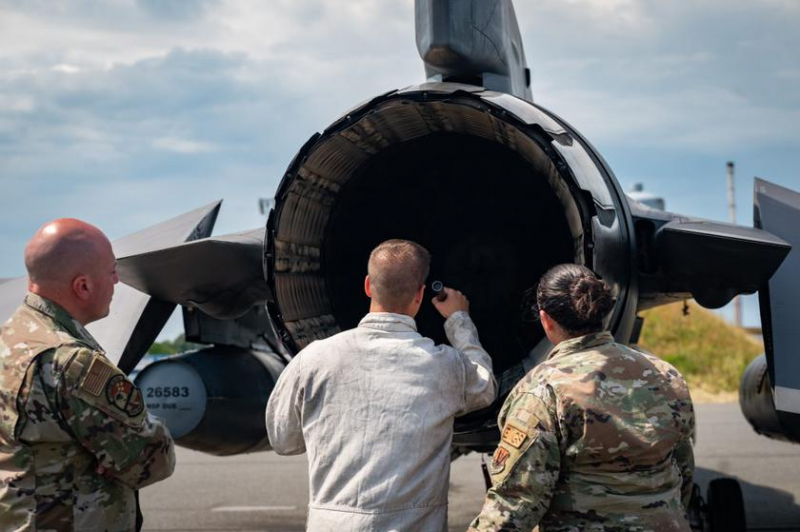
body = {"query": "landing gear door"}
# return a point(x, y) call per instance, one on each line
point(777, 210)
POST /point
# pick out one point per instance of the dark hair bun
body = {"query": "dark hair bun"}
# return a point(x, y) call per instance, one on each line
point(591, 299)
point(575, 297)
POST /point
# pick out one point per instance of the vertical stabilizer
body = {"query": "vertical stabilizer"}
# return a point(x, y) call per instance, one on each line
point(473, 41)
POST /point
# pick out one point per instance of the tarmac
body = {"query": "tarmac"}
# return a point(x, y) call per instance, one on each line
point(266, 492)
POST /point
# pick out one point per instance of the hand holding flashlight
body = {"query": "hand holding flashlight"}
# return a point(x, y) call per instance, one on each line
point(448, 300)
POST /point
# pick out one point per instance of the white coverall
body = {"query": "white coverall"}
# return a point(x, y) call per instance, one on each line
point(374, 409)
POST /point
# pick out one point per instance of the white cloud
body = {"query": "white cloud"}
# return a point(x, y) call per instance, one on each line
point(183, 145)
point(17, 103)
point(66, 69)
point(130, 111)
point(611, 15)
point(705, 119)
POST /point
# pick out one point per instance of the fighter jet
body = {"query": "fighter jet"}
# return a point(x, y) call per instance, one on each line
point(499, 189)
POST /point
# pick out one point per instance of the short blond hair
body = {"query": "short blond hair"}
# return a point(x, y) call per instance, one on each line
point(397, 269)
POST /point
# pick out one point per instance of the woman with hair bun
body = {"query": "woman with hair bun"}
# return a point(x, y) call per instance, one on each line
point(597, 437)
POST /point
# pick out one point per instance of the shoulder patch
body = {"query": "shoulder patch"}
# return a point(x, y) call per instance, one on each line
point(124, 395)
point(513, 436)
point(499, 459)
point(98, 375)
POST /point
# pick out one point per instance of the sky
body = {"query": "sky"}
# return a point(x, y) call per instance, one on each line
point(128, 112)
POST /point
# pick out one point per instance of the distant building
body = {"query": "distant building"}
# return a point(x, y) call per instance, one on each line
point(637, 193)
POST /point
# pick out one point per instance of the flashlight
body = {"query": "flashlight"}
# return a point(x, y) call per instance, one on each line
point(438, 290)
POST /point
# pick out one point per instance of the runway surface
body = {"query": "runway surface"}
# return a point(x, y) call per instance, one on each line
point(266, 492)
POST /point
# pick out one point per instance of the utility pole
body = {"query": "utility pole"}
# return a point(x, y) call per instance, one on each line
point(737, 301)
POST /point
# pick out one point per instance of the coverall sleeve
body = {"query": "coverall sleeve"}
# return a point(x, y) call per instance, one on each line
point(107, 414)
point(524, 469)
point(284, 411)
point(480, 387)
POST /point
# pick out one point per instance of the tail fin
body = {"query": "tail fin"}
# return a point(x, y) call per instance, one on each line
point(476, 42)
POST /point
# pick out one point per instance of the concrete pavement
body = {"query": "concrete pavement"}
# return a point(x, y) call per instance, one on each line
point(266, 492)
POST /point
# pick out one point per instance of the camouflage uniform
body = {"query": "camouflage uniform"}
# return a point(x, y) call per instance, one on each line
point(75, 436)
point(596, 438)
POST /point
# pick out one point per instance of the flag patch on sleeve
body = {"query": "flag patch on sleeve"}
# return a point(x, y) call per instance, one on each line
point(94, 382)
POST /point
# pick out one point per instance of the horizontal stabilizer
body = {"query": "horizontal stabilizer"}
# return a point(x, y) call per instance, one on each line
point(222, 276)
point(717, 261)
point(777, 209)
point(135, 318)
point(681, 257)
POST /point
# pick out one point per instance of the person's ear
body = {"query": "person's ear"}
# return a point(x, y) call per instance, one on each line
point(547, 321)
point(367, 287)
point(82, 287)
point(420, 292)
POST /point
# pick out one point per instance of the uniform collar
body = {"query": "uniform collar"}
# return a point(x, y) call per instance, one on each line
point(58, 314)
point(389, 321)
point(581, 343)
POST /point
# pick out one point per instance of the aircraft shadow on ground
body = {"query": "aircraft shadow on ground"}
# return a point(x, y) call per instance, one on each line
point(767, 509)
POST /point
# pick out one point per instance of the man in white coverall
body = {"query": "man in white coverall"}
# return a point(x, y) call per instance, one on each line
point(374, 406)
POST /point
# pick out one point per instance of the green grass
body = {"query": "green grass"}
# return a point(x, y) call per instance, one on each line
point(706, 349)
point(172, 347)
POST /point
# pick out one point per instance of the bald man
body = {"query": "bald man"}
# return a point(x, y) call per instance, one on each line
point(75, 437)
point(374, 406)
